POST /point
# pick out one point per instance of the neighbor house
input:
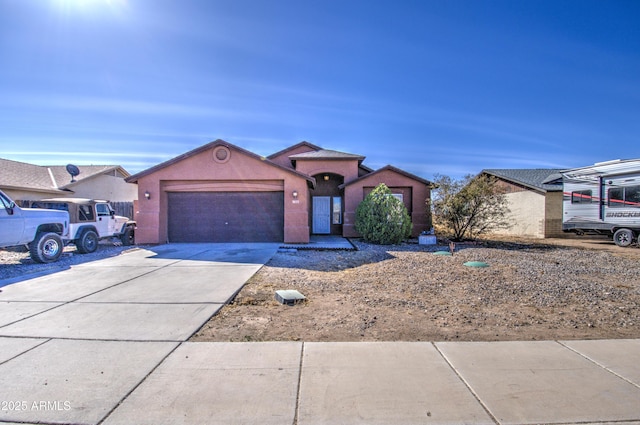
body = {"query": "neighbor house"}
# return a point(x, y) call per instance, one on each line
point(534, 197)
point(220, 192)
point(25, 182)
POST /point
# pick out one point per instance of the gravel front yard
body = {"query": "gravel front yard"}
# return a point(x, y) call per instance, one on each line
point(17, 264)
point(531, 291)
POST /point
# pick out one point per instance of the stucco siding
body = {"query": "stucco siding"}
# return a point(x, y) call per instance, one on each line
point(346, 168)
point(553, 215)
point(201, 172)
point(223, 167)
point(527, 214)
point(419, 192)
point(534, 214)
point(107, 187)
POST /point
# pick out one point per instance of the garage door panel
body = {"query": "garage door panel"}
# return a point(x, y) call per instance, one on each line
point(226, 216)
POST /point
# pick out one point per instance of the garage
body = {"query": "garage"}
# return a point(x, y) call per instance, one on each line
point(226, 216)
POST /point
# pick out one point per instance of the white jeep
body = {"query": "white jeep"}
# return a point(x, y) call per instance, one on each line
point(90, 221)
point(40, 230)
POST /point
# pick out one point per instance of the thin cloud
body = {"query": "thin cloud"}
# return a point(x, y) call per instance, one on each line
point(84, 154)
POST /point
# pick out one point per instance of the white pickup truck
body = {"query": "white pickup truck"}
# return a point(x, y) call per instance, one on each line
point(41, 230)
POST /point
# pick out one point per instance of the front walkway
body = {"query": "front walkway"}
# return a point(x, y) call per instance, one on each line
point(322, 242)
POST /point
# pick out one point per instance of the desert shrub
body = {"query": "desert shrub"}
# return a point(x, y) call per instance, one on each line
point(382, 218)
point(469, 207)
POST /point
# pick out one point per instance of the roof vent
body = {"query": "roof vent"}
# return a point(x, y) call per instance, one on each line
point(73, 170)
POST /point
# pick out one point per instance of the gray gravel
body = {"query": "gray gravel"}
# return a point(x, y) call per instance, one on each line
point(404, 292)
point(14, 265)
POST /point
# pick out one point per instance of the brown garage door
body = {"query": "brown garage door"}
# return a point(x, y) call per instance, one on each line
point(226, 216)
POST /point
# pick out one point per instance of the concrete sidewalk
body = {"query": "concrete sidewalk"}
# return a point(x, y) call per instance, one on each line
point(106, 343)
point(114, 382)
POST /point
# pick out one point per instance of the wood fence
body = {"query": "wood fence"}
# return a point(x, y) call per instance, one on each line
point(124, 209)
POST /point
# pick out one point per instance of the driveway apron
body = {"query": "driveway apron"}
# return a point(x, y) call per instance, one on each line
point(74, 344)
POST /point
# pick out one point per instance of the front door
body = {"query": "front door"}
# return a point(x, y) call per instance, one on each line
point(321, 215)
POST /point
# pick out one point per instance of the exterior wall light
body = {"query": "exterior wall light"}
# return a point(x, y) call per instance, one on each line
point(147, 195)
point(295, 194)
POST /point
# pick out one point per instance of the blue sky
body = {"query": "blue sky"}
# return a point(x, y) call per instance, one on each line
point(433, 87)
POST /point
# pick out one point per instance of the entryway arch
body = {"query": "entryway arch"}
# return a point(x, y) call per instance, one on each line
point(327, 205)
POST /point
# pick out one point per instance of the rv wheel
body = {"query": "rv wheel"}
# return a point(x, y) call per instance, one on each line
point(623, 237)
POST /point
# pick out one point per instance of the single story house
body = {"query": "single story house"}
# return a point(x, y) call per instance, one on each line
point(25, 182)
point(534, 197)
point(220, 192)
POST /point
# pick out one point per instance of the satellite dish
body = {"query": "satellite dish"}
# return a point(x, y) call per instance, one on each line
point(73, 170)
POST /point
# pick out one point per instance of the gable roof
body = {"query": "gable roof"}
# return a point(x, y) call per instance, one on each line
point(387, 168)
point(134, 178)
point(540, 179)
point(326, 154)
point(311, 146)
point(62, 176)
point(52, 178)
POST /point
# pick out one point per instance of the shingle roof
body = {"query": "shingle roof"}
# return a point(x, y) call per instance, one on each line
point(538, 178)
point(22, 175)
point(290, 148)
point(53, 178)
point(326, 154)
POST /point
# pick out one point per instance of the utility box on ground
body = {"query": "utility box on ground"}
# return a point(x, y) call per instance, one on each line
point(427, 239)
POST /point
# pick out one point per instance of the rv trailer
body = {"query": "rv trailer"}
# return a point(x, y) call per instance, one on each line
point(603, 199)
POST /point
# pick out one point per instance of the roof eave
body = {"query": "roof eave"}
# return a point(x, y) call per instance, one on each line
point(539, 189)
point(297, 145)
point(76, 181)
point(389, 168)
point(134, 178)
point(512, 180)
point(34, 189)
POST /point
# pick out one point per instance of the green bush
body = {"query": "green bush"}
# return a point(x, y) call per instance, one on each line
point(382, 218)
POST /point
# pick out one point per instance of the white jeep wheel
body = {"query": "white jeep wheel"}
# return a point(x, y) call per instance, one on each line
point(88, 242)
point(46, 247)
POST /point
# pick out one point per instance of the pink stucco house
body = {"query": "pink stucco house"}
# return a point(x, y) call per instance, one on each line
point(223, 193)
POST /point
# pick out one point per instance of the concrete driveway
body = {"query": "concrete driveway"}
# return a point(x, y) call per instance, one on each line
point(73, 344)
point(160, 294)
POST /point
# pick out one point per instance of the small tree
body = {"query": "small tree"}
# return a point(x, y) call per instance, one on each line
point(469, 207)
point(382, 218)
